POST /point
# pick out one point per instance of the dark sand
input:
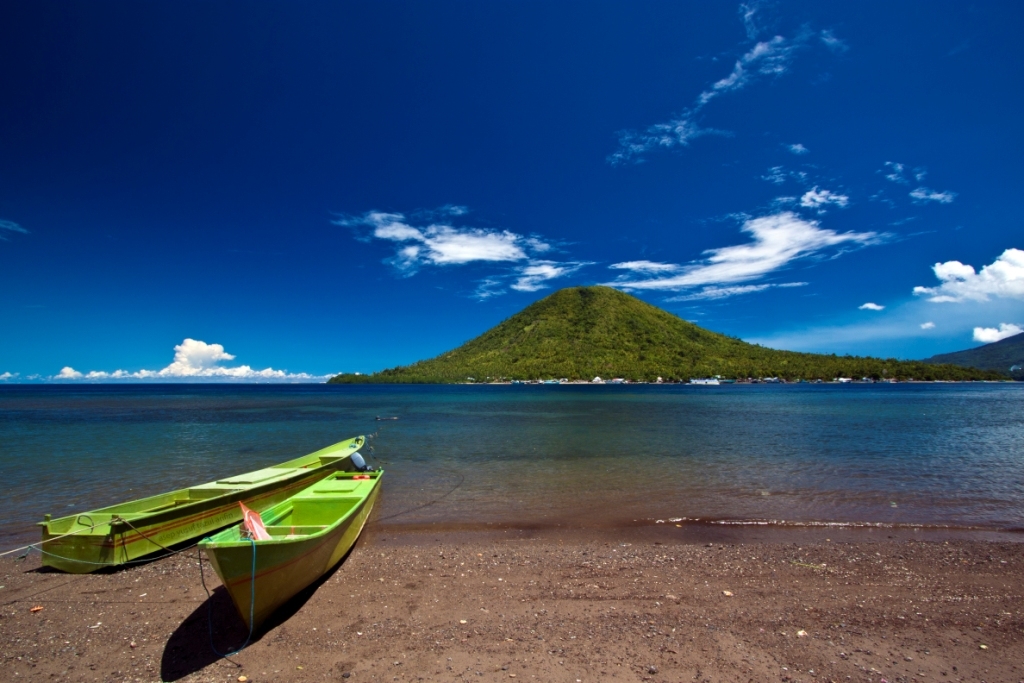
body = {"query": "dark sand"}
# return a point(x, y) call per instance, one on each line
point(644, 604)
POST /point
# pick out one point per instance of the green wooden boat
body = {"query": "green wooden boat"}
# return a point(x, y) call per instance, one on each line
point(310, 533)
point(121, 533)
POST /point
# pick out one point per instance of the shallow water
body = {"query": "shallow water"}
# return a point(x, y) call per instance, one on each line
point(906, 454)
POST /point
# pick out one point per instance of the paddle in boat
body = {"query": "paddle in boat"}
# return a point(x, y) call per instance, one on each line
point(295, 542)
point(122, 533)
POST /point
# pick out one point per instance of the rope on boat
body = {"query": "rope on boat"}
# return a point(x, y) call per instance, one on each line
point(209, 603)
point(32, 546)
point(119, 518)
point(138, 560)
point(116, 518)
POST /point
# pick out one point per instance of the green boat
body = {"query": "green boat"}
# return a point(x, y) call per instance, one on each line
point(129, 531)
point(309, 534)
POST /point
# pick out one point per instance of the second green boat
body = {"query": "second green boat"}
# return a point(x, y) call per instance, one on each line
point(309, 534)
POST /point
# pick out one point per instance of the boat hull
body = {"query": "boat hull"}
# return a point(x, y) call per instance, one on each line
point(287, 564)
point(131, 531)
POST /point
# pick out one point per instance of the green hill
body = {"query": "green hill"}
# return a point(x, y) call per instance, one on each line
point(1000, 356)
point(584, 332)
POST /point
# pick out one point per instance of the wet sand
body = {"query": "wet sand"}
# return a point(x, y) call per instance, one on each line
point(643, 604)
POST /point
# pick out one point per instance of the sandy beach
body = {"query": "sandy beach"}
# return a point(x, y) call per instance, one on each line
point(554, 605)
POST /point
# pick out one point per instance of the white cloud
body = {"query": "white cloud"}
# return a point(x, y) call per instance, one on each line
point(871, 307)
point(767, 58)
point(68, 372)
point(1002, 278)
point(833, 43)
point(194, 360)
point(532, 277)
point(10, 226)
point(895, 172)
point(646, 267)
point(675, 133)
point(928, 325)
point(992, 334)
point(442, 244)
point(488, 287)
point(923, 194)
point(8, 375)
point(535, 276)
point(779, 175)
point(819, 199)
point(775, 174)
point(778, 240)
point(713, 292)
point(748, 11)
point(798, 149)
point(895, 332)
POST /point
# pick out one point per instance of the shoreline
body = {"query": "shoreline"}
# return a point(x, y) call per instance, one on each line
point(553, 604)
point(672, 530)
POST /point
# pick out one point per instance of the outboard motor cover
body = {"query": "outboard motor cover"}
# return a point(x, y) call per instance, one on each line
point(358, 461)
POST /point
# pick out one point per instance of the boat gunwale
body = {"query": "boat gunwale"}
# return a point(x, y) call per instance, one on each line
point(210, 542)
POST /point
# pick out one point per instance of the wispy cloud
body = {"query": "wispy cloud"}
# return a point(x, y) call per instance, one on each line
point(437, 243)
point(871, 307)
point(833, 43)
point(1003, 278)
point(821, 199)
point(646, 267)
point(714, 292)
point(748, 14)
point(442, 244)
point(9, 227)
point(895, 172)
point(537, 274)
point(765, 59)
point(928, 326)
point(675, 133)
point(779, 175)
point(922, 195)
point(797, 149)
point(987, 335)
point(777, 240)
point(8, 375)
point(193, 360)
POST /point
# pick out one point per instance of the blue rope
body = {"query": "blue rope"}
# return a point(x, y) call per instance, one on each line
point(209, 604)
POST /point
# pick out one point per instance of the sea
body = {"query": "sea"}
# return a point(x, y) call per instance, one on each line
point(939, 456)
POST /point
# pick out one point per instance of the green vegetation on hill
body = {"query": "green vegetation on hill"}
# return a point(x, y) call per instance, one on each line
point(585, 332)
point(1000, 356)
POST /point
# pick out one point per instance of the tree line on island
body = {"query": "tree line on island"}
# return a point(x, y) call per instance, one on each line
point(580, 333)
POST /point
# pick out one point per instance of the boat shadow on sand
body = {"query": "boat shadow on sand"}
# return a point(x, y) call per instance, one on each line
point(189, 650)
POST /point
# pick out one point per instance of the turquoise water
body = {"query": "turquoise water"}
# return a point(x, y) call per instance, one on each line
point(944, 454)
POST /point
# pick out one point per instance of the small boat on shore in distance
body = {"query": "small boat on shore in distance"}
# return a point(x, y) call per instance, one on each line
point(301, 540)
point(712, 381)
point(114, 535)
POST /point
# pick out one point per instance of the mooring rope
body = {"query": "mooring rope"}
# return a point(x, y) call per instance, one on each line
point(209, 603)
point(116, 518)
point(32, 546)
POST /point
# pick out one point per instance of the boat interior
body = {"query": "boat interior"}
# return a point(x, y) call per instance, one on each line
point(318, 507)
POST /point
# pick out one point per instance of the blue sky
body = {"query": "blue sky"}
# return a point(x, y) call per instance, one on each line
point(270, 191)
